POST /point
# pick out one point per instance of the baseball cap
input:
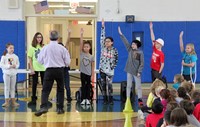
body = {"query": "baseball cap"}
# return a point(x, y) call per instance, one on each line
point(160, 41)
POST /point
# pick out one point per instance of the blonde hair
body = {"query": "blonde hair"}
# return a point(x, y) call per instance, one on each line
point(191, 45)
point(188, 87)
point(155, 84)
point(158, 89)
point(179, 78)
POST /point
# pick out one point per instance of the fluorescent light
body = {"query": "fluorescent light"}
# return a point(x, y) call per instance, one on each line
point(82, 22)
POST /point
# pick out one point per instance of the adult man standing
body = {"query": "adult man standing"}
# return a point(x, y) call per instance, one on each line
point(54, 57)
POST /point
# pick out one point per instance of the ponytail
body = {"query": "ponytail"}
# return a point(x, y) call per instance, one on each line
point(4, 53)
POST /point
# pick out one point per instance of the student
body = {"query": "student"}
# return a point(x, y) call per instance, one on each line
point(9, 64)
point(36, 68)
point(134, 65)
point(189, 60)
point(189, 87)
point(178, 79)
point(108, 62)
point(156, 87)
point(174, 94)
point(189, 108)
point(152, 119)
point(182, 93)
point(178, 117)
point(165, 98)
point(157, 59)
point(86, 69)
point(66, 70)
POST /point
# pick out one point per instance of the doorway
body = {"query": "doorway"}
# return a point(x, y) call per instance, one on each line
point(61, 24)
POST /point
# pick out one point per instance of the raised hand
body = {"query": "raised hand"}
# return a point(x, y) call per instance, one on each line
point(151, 32)
point(81, 31)
point(181, 34)
point(119, 30)
point(151, 25)
point(102, 22)
point(69, 30)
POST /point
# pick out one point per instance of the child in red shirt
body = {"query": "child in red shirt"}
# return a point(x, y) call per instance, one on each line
point(157, 59)
point(152, 119)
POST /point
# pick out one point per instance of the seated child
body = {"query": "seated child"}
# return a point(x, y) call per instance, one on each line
point(178, 79)
point(157, 113)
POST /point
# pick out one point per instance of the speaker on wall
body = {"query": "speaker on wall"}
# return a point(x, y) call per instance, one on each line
point(130, 18)
point(13, 4)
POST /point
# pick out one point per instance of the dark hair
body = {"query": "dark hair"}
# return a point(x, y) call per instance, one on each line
point(188, 106)
point(54, 35)
point(34, 41)
point(196, 96)
point(167, 116)
point(172, 105)
point(138, 43)
point(60, 43)
point(88, 43)
point(165, 93)
point(183, 93)
point(110, 38)
point(178, 117)
point(7, 45)
point(157, 107)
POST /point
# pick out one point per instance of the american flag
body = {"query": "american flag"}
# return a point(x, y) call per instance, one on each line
point(41, 6)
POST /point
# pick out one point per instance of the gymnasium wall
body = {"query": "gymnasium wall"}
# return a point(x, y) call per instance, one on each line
point(168, 31)
point(14, 32)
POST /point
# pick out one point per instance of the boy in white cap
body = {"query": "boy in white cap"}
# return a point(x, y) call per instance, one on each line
point(157, 59)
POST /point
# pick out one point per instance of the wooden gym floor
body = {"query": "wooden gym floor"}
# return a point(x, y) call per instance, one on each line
point(95, 115)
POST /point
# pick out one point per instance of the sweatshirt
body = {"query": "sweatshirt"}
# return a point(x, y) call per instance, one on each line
point(7, 61)
point(135, 61)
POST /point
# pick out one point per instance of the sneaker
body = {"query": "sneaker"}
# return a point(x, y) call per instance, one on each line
point(41, 111)
point(49, 104)
point(87, 102)
point(83, 102)
point(69, 100)
point(140, 102)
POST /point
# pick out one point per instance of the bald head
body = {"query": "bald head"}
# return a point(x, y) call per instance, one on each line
point(54, 35)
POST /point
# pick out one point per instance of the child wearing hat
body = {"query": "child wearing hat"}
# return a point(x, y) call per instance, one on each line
point(134, 66)
point(157, 59)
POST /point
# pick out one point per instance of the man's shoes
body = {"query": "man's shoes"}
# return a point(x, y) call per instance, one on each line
point(49, 104)
point(41, 111)
point(31, 103)
point(60, 111)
